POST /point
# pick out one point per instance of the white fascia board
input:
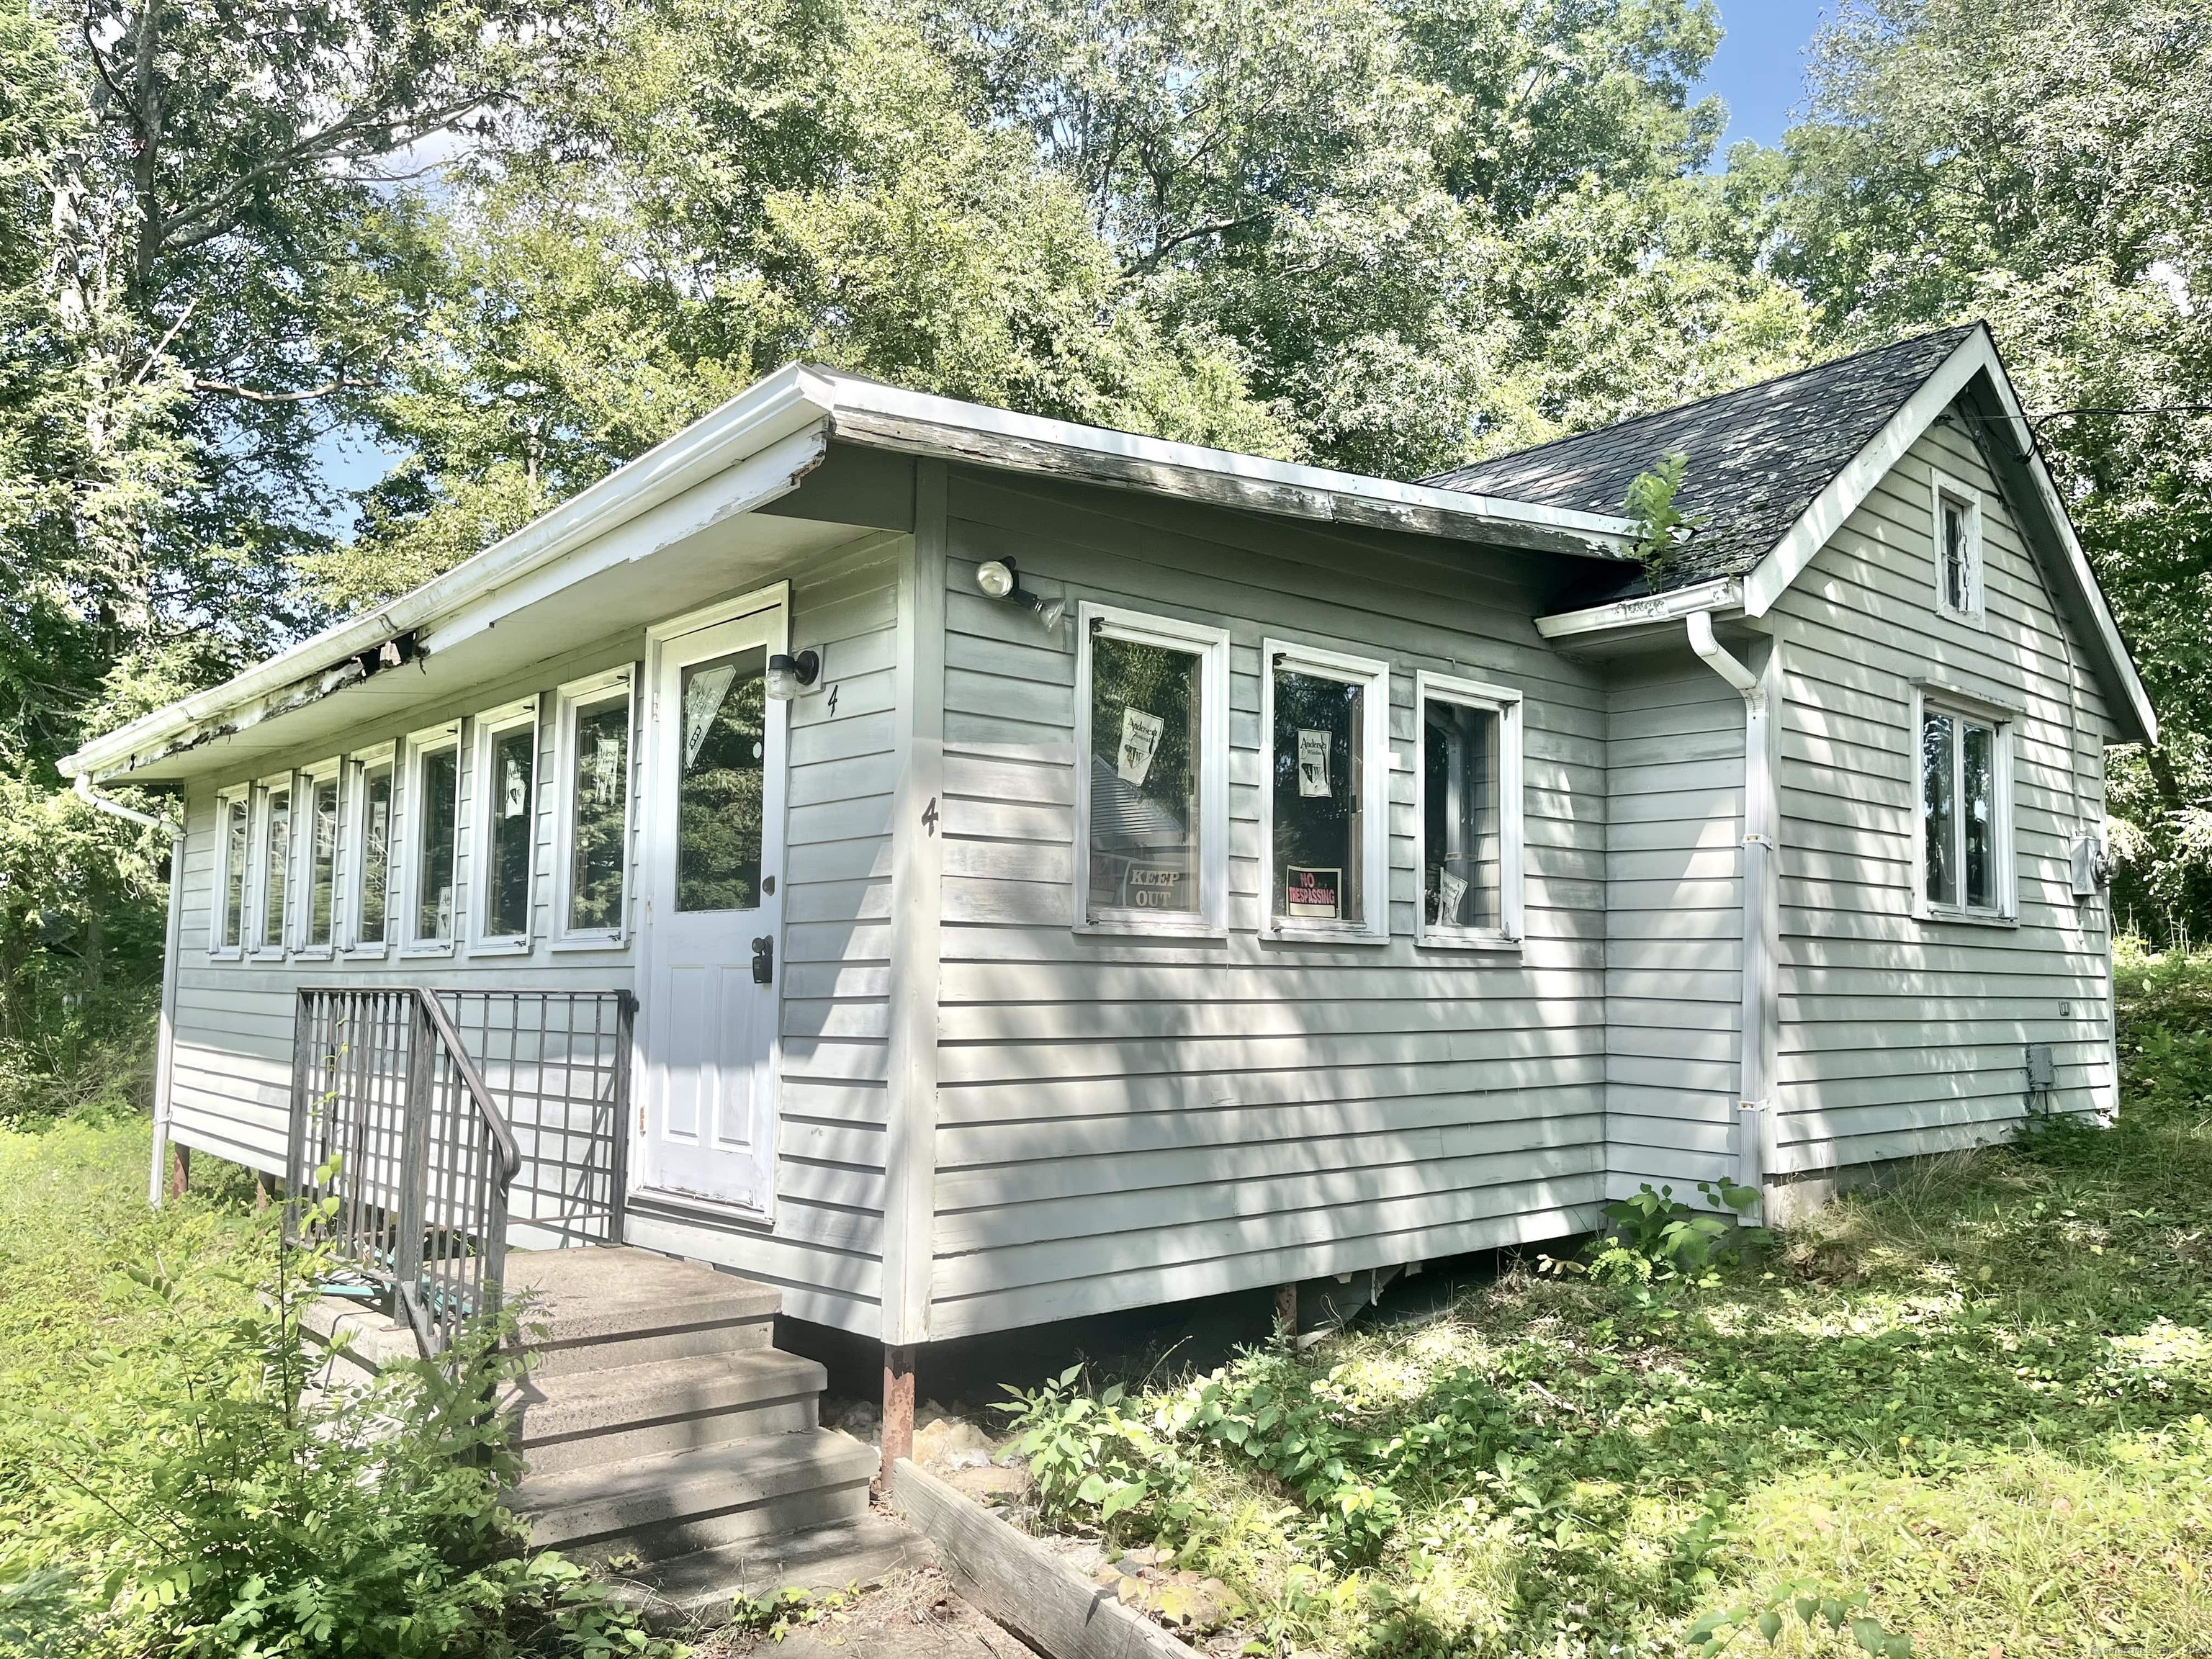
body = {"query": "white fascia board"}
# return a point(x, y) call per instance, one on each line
point(851, 393)
point(783, 406)
point(1849, 490)
point(1720, 597)
point(798, 398)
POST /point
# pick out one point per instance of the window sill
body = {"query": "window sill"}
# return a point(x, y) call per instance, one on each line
point(590, 942)
point(312, 953)
point(499, 947)
point(268, 953)
point(226, 953)
point(1494, 943)
point(366, 952)
point(1977, 619)
point(1969, 918)
point(428, 948)
point(1196, 927)
point(1312, 934)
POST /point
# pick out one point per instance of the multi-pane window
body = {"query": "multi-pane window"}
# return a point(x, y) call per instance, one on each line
point(594, 844)
point(507, 802)
point(235, 850)
point(1152, 791)
point(322, 858)
point(373, 873)
point(1958, 529)
point(275, 864)
point(1470, 812)
point(1325, 792)
point(437, 780)
point(1962, 811)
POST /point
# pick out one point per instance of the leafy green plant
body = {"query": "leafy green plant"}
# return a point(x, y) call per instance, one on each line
point(1810, 1607)
point(1662, 527)
point(198, 1497)
point(1087, 1451)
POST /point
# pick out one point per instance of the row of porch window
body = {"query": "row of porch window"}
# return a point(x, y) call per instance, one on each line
point(363, 852)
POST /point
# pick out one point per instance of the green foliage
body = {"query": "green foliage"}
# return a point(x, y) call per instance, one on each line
point(170, 1483)
point(1660, 526)
point(1969, 1409)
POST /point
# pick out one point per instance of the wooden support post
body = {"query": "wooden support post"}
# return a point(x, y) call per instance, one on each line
point(260, 1190)
point(898, 1410)
point(1286, 1312)
point(180, 1170)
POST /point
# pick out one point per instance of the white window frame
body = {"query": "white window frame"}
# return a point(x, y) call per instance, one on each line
point(353, 848)
point(1374, 783)
point(239, 793)
point(569, 700)
point(1927, 697)
point(428, 741)
point(1210, 645)
point(489, 727)
point(265, 790)
point(303, 860)
point(1504, 702)
point(1942, 487)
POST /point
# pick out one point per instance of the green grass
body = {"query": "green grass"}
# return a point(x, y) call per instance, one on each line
point(1978, 1397)
point(74, 1218)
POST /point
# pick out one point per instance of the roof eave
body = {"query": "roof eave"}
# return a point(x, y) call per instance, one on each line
point(1722, 596)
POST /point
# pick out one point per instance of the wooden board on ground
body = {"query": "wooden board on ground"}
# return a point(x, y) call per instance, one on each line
point(1021, 1583)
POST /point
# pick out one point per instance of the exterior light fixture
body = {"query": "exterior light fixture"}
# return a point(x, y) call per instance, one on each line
point(999, 581)
point(788, 675)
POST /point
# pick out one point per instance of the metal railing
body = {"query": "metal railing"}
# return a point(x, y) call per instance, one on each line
point(558, 1064)
point(430, 1118)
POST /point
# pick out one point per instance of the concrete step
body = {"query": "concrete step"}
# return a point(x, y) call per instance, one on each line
point(695, 1592)
point(578, 1418)
point(614, 1306)
point(352, 1340)
point(677, 1501)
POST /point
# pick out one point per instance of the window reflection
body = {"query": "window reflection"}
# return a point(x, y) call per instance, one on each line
point(1319, 814)
point(720, 778)
point(1145, 713)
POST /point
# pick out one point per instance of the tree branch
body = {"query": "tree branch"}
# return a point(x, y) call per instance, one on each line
point(307, 395)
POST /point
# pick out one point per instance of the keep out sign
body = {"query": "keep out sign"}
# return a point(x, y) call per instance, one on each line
point(1153, 887)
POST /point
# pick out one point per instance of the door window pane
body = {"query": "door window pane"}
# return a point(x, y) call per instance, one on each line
point(322, 879)
point(1939, 814)
point(721, 779)
point(595, 808)
point(438, 777)
point(1462, 842)
point(1977, 792)
point(236, 851)
point(376, 852)
point(509, 799)
point(276, 867)
point(1318, 764)
point(1144, 711)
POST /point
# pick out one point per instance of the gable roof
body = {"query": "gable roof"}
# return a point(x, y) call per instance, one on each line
point(1758, 457)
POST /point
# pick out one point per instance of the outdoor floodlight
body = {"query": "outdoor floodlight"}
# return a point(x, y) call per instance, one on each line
point(999, 581)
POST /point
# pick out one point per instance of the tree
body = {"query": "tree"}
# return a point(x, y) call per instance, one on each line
point(2047, 164)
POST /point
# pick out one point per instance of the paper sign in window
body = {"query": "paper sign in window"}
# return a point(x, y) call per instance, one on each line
point(1313, 764)
point(1140, 741)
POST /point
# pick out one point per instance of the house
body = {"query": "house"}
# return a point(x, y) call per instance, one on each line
point(1059, 870)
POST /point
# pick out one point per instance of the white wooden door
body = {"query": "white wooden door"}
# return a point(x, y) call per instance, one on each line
point(713, 934)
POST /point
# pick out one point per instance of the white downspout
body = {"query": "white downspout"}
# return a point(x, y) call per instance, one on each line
point(1754, 1119)
point(165, 1037)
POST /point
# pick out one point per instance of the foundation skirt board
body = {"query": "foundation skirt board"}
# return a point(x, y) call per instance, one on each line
point(1022, 1584)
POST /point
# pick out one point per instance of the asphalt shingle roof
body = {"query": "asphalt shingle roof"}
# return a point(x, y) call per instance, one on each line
point(1758, 457)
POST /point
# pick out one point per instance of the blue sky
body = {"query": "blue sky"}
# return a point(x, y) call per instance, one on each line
point(1760, 70)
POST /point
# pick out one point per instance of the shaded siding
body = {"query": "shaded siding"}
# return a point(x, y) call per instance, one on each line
point(1903, 1035)
point(232, 1053)
point(1128, 1120)
point(1673, 945)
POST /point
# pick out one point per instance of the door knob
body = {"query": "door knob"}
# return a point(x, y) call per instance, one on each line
point(764, 959)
